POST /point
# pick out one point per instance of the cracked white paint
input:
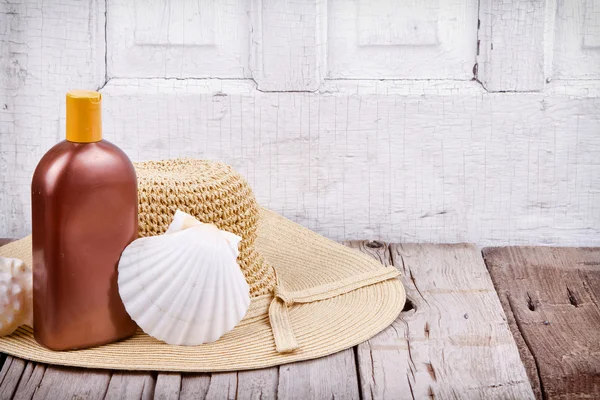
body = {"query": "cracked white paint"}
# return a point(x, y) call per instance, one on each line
point(524, 44)
point(460, 165)
point(511, 51)
point(289, 44)
point(402, 39)
point(414, 160)
point(161, 38)
point(577, 40)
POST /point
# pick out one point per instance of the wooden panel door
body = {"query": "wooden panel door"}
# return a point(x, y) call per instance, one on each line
point(402, 39)
point(410, 121)
point(287, 45)
point(524, 45)
point(577, 40)
point(178, 39)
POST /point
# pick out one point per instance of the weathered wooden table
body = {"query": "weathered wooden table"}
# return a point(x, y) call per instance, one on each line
point(525, 326)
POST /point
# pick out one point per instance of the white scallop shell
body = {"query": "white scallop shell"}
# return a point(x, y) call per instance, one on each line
point(16, 295)
point(184, 287)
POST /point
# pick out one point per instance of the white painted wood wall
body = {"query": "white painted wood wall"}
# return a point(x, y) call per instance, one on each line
point(404, 120)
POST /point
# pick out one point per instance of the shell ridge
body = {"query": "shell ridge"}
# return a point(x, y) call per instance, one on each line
point(172, 290)
point(215, 305)
point(245, 288)
point(195, 322)
point(219, 308)
point(183, 318)
point(196, 306)
point(137, 278)
point(231, 307)
point(185, 287)
point(139, 288)
point(242, 307)
point(133, 251)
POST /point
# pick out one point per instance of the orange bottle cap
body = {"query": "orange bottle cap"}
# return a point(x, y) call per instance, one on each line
point(84, 116)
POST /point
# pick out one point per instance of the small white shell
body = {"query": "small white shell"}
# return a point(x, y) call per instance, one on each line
point(184, 287)
point(16, 295)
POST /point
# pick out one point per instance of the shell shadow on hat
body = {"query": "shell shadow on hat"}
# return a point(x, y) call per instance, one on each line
point(212, 192)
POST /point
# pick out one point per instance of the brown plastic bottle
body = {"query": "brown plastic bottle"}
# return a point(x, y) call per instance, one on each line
point(84, 211)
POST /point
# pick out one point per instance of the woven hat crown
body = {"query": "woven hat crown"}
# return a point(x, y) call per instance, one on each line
point(212, 192)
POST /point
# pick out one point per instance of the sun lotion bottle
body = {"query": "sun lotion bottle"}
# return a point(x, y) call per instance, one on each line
point(84, 214)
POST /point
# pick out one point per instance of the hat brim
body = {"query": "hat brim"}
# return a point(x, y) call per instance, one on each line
point(302, 259)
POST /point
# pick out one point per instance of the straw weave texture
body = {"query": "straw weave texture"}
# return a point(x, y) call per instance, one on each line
point(212, 192)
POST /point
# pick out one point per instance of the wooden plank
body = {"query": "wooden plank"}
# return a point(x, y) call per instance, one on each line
point(373, 388)
point(131, 385)
point(168, 386)
point(255, 384)
point(20, 379)
point(230, 385)
point(455, 342)
point(30, 381)
point(258, 384)
point(288, 44)
point(526, 356)
point(331, 377)
point(554, 295)
point(511, 45)
point(381, 252)
point(194, 386)
point(209, 386)
point(10, 375)
point(222, 386)
point(69, 383)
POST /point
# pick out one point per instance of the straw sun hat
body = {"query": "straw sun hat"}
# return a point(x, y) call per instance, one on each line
point(310, 296)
